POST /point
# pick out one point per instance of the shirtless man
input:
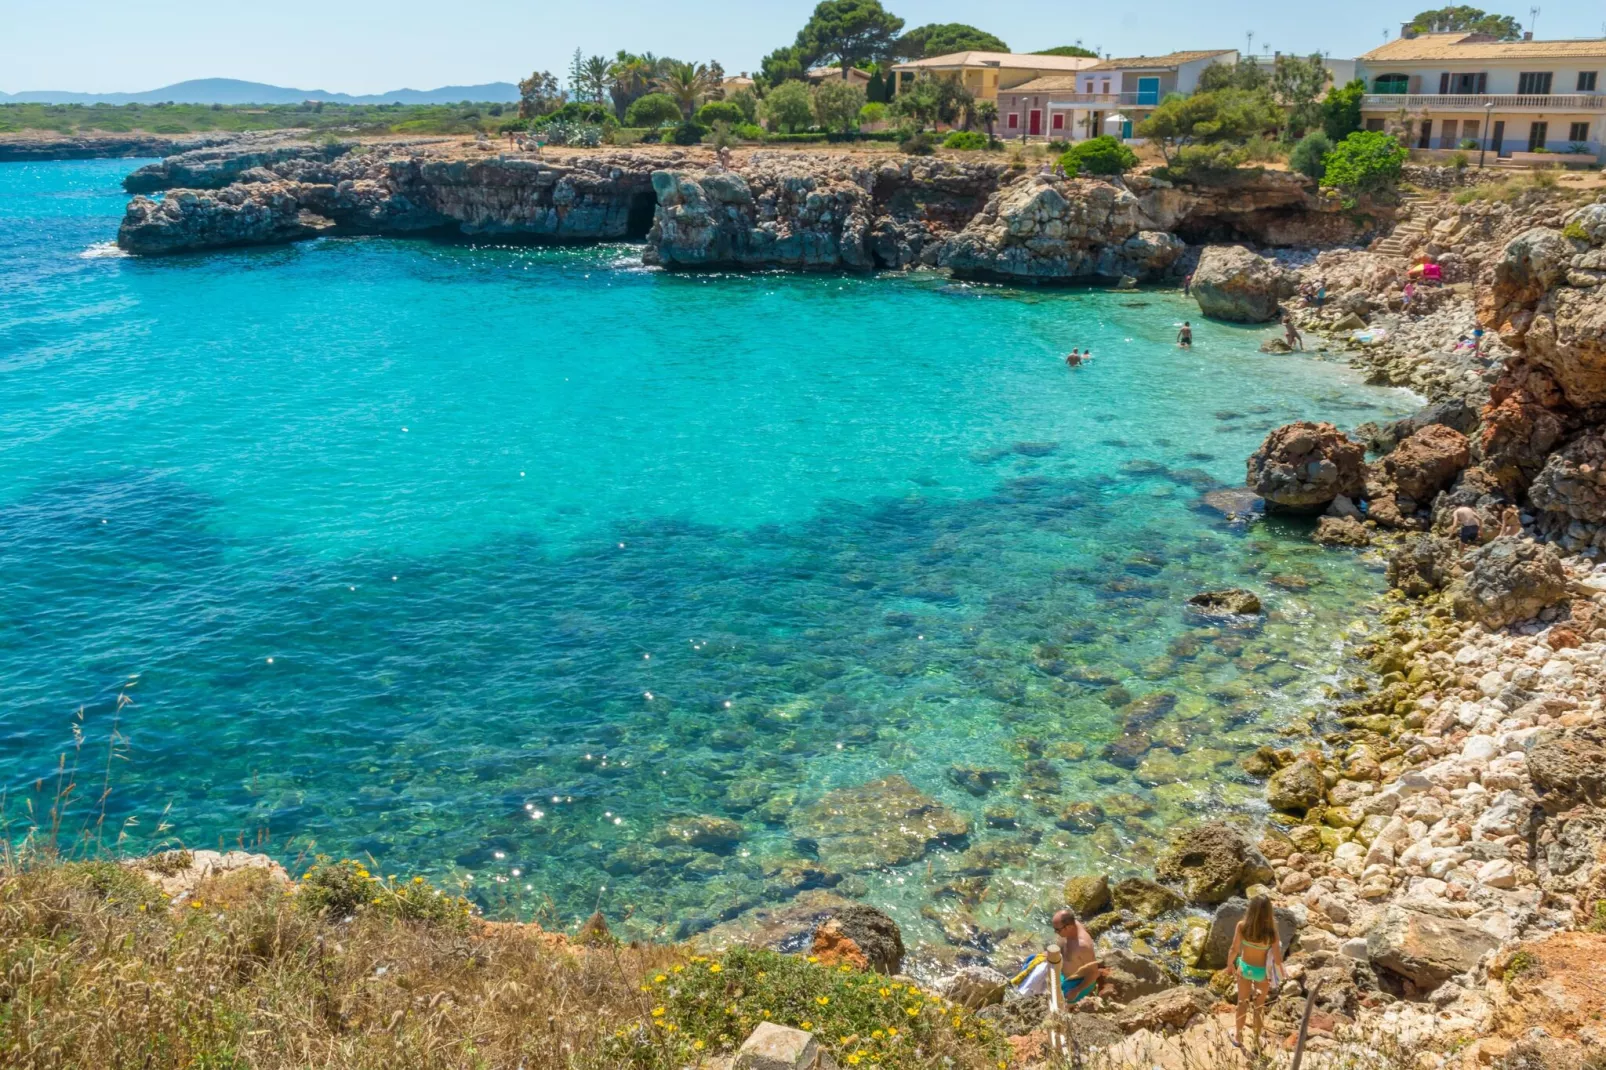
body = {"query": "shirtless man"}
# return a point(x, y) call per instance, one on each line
point(1185, 335)
point(1468, 525)
point(1080, 964)
point(1073, 358)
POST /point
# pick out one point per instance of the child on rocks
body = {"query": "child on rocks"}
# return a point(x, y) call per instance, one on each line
point(1257, 958)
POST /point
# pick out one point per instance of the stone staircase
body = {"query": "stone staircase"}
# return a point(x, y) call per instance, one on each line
point(1407, 233)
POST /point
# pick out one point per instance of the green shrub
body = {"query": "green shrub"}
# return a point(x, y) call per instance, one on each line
point(748, 131)
point(720, 111)
point(344, 889)
point(512, 126)
point(1467, 143)
point(817, 137)
point(1575, 230)
point(1262, 149)
point(1597, 924)
point(689, 133)
point(873, 112)
point(654, 109)
point(967, 140)
point(1367, 161)
point(862, 1019)
point(1102, 155)
point(915, 142)
point(789, 107)
point(747, 102)
point(579, 135)
point(1308, 156)
point(117, 886)
point(577, 112)
point(1460, 162)
point(1204, 164)
point(1341, 111)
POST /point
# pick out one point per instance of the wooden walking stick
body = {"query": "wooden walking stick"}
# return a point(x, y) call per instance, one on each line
point(1304, 1023)
point(1058, 1036)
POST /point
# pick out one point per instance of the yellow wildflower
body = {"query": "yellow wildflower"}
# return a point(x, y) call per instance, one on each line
point(807, 1025)
point(892, 1031)
point(660, 979)
point(877, 1035)
point(715, 968)
point(814, 958)
point(658, 1012)
point(911, 1011)
point(678, 969)
point(698, 1045)
point(822, 1000)
point(418, 880)
point(853, 1060)
point(195, 904)
point(885, 992)
point(670, 1027)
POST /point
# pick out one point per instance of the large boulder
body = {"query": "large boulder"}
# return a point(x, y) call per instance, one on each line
point(780, 1047)
point(1420, 566)
point(1573, 481)
point(1232, 602)
point(1520, 427)
point(1531, 265)
point(1213, 863)
point(1426, 462)
point(1297, 787)
point(1224, 923)
point(1425, 949)
point(887, 822)
point(1130, 976)
point(1087, 896)
point(975, 987)
point(264, 214)
point(1144, 898)
point(1232, 283)
point(860, 936)
point(1304, 466)
point(1170, 1011)
point(1341, 531)
point(1508, 580)
point(1569, 769)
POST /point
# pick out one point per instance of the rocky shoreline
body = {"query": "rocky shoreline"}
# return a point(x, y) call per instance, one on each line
point(39, 148)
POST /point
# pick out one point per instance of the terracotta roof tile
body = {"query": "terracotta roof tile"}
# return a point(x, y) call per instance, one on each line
point(1172, 59)
point(1052, 83)
point(1013, 60)
point(1473, 46)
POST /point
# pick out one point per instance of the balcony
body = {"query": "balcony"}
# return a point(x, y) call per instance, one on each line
point(1475, 102)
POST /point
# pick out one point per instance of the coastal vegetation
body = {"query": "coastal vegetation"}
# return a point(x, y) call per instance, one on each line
point(466, 117)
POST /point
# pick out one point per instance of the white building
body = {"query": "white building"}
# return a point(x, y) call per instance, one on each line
point(1466, 90)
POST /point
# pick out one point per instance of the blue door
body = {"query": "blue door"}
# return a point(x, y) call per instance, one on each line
point(1148, 91)
point(1126, 129)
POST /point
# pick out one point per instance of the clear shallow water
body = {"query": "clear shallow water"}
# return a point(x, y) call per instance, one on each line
point(390, 542)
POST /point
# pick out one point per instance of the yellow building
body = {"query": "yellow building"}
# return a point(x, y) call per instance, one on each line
point(985, 74)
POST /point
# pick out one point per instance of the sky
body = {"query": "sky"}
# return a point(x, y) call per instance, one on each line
point(372, 46)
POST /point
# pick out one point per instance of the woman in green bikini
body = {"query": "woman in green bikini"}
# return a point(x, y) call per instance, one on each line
point(1257, 958)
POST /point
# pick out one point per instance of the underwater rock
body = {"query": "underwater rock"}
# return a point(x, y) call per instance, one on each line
point(1126, 750)
point(1233, 601)
point(977, 781)
point(1213, 863)
point(1144, 898)
point(1341, 531)
point(1080, 817)
point(1086, 896)
point(883, 823)
point(1296, 788)
point(704, 831)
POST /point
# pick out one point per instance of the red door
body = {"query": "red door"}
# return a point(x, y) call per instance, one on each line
point(1036, 124)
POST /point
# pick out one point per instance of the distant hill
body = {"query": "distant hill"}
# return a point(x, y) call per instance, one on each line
point(234, 91)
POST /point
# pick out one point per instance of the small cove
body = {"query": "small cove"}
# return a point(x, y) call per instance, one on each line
point(548, 551)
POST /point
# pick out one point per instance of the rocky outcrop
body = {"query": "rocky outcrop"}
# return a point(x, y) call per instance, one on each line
point(1572, 483)
point(860, 936)
point(1144, 898)
point(1341, 531)
point(606, 197)
point(216, 166)
point(1423, 565)
point(1169, 1011)
point(1305, 466)
point(1232, 283)
point(1508, 580)
point(1043, 228)
point(1426, 949)
point(1426, 462)
point(37, 148)
point(1296, 788)
point(1213, 863)
point(1569, 768)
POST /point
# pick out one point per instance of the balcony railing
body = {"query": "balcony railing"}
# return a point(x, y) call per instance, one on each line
point(1104, 100)
point(1475, 102)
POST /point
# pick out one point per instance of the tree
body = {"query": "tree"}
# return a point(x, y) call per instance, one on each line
point(720, 111)
point(539, 94)
point(782, 65)
point(987, 114)
point(1226, 115)
point(788, 107)
point(943, 38)
point(633, 78)
point(1365, 162)
point(652, 110)
point(873, 112)
point(1102, 155)
point(920, 102)
point(837, 104)
point(577, 74)
point(1341, 111)
point(595, 76)
point(1069, 50)
point(1296, 83)
point(687, 83)
point(1309, 156)
point(1467, 20)
point(1245, 74)
point(747, 101)
point(849, 31)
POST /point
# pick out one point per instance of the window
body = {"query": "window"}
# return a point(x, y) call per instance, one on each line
point(1106, 85)
point(1375, 125)
point(1391, 83)
point(1586, 81)
point(1578, 132)
point(1536, 136)
point(1426, 140)
point(1014, 120)
point(1447, 134)
point(1059, 120)
point(1533, 83)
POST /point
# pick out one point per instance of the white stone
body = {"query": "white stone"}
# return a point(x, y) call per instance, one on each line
point(777, 1047)
point(1355, 948)
point(1480, 748)
point(1499, 873)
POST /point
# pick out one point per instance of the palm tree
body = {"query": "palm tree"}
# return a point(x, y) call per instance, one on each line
point(687, 83)
point(987, 115)
point(594, 75)
point(632, 78)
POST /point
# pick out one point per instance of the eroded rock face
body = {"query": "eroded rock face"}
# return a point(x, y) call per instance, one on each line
point(1087, 896)
point(239, 215)
point(860, 936)
point(1048, 229)
point(216, 166)
point(1232, 283)
point(1569, 769)
point(1546, 301)
point(1213, 863)
point(1427, 462)
point(1423, 565)
point(1425, 949)
point(886, 822)
point(1169, 1011)
point(1296, 788)
point(1304, 466)
point(1508, 580)
point(1532, 264)
point(1521, 425)
point(1573, 481)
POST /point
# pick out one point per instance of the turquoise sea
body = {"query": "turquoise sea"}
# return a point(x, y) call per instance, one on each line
point(497, 564)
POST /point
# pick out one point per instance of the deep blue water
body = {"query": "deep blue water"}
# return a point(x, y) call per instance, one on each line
point(490, 562)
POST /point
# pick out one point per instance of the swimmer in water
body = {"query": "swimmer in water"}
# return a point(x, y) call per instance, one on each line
point(1073, 359)
point(1185, 335)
